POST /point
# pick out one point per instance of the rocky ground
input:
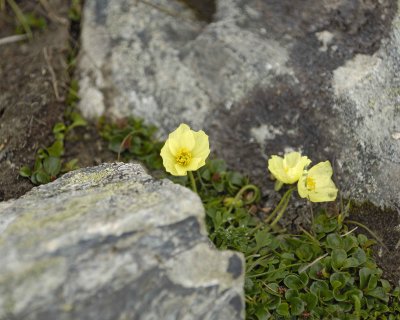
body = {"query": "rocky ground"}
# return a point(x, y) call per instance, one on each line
point(35, 77)
point(292, 93)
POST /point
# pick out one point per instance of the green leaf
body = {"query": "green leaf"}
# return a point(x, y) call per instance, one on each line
point(277, 275)
point(362, 239)
point(385, 285)
point(42, 153)
point(273, 288)
point(364, 275)
point(338, 258)
point(349, 242)
point(360, 255)
point(339, 279)
point(372, 282)
point(339, 295)
point(305, 252)
point(263, 238)
point(334, 241)
point(41, 177)
point(248, 284)
point(291, 293)
point(350, 263)
point(25, 171)
point(273, 302)
point(324, 224)
point(293, 282)
point(235, 179)
point(77, 121)
point(217, 165)
point(296, 306)
point(59, 127)
point(379, 293)
point(115, 144)
point(218, 186)
point(262, 313)
point(52, 165)
point(38, 164)
point(303, 278)
point(59, 136)
point(310, 299)
point(396, 292)
point(354, 292)
point(288, 256)
point(205, 174)
point(321, 289)
point(346, 307)
point(315, 271)
point(34, 180)
point(283, 309)
point(56, 149)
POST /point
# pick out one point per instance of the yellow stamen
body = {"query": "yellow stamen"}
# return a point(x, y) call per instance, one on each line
point(183, 157)
point(310, 184)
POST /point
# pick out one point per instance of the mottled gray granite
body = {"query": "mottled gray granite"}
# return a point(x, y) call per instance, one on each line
point(110, 242)
point(260, 77)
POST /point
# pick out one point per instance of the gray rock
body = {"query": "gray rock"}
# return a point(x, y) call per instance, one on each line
point(155, 59)
point(110, 242)
point(261, 78)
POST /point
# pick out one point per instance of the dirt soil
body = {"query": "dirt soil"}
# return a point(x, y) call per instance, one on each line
point(34, 79)
point(384, 223)
point(35, 76)
point(28, 105)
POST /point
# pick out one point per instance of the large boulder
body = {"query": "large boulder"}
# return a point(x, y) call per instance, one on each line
point(261, 77)
point(110, 242)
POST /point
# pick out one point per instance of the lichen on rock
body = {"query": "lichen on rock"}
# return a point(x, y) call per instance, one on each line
point(108, 243)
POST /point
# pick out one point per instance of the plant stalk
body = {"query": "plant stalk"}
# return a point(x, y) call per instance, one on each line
point(192, 181)
point(282, 205)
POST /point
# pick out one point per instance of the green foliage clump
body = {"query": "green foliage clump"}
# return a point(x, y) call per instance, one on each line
point(326, 273)
point(48, 161)
point(132, 139)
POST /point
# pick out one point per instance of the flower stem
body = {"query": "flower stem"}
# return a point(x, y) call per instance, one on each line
point(246, 188)
point(242, 191)
point(192, 181)
point(277, 208)
point(282, 205)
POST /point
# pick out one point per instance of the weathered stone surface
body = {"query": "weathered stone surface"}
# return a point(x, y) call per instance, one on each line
point(110, 242)
point(172, 62)
point(261, 77)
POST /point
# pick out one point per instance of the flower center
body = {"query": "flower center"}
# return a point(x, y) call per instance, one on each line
point(286, 169)
point(310, 184)
point(183, 157)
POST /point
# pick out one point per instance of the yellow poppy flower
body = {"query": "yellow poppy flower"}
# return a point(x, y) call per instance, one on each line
point(289, 168)
point(316, 184)
point(185, 150)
